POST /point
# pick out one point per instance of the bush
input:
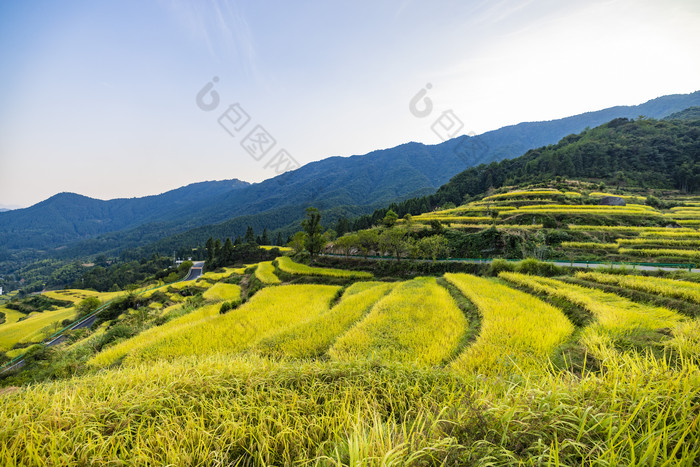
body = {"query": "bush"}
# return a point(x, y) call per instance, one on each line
point(538, 268)
point(228, 306)
point(500, 265)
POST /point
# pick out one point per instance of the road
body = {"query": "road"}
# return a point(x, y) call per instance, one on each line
point(194, 273)
point(575, 264)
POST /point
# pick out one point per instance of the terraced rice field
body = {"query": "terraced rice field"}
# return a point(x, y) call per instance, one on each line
point(270, 311)
point(313, 338)
point(418, 323)
point(265, 273)
point(286, 264)
point(518, 330)
point(683, 290)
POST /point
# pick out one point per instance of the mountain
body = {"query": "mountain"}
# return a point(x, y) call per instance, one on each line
point(67, 217)
point(691, 113)
point(643, 153)
point(337, 185)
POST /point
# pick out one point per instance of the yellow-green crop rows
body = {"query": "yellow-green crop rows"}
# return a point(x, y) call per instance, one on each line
point(313, 338)
point(286, 264)
point(611, 311)
point(270, 311)
point(418, 322)
point(666, 287)
point(518, 330)
point(222, 291)
point(265, 272)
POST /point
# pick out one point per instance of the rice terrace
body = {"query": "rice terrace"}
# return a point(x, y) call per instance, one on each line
point(350, 234)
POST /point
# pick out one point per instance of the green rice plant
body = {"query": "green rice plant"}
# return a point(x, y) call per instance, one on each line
point(517, 329)
point(683, 290)
point(221, 291)
point(589, 245)
point(654, 252)
point(286, 264)
point(313, 338)
point(613, 312)
point(270, 311)
point(418, 322)
point(265, 272)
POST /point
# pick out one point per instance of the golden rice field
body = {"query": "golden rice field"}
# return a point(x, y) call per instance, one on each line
point(656, 252)
point(590, 245)
point(217, 276)
point(265, 273)
point(286, 264)
point(35, 328)
point(313, 338)
point(598, 194)
point(672, 233)
point(222, 291)
point(418, 323)
point(528, 193)
point(270, 311)
point(11, 316)
point(683, 290)
point(611, 311)
point(517, 331)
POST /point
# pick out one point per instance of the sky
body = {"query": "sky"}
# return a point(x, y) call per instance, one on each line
point(129, 98)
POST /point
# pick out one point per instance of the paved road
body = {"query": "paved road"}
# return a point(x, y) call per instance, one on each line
point(575, 264)
point(195, 272)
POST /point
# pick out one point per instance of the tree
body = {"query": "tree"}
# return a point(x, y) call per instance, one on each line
point(394, 241)
point(217, 248)
point(367, 240)
point(342, 226)
point(298, 242)
point(87, 306)
point(347, 242)
point(249, 235)
point(227, 253)
point(433, 247)
point(390, 218)
point(279, 241)
point(210, 249)
point(314, 232)
point(265, 239)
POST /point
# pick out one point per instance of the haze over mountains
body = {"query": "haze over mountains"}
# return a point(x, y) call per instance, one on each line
point(72, 225)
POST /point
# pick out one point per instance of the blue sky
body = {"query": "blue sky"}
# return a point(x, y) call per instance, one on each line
point(99, 97)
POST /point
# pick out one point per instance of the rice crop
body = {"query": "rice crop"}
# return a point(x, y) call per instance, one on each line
point(672, 233)
point(265, 273)
point(598, 194)
point(517, 328)
point(659, 241)
point(613, 312)
point(315, 337)
point(221, 291)
point(11, 316)
point(418, 322)
point(589, 245)
point(654, 252)
point(286, 264)
point(524, 194)
point(269, 311)
point(683, 290)
point(35, 328)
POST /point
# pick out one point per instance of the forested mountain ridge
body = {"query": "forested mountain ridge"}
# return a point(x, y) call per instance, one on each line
point(65, 217)
point(645, 153)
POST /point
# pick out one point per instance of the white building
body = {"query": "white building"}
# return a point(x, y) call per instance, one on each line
point(0, 290)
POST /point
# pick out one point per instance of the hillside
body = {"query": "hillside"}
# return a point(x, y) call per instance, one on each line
point(67, 217)
point(340, 186)
point(281, 363)
point(644, 154)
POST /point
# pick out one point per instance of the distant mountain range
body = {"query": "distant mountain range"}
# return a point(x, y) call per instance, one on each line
point(70, 225)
